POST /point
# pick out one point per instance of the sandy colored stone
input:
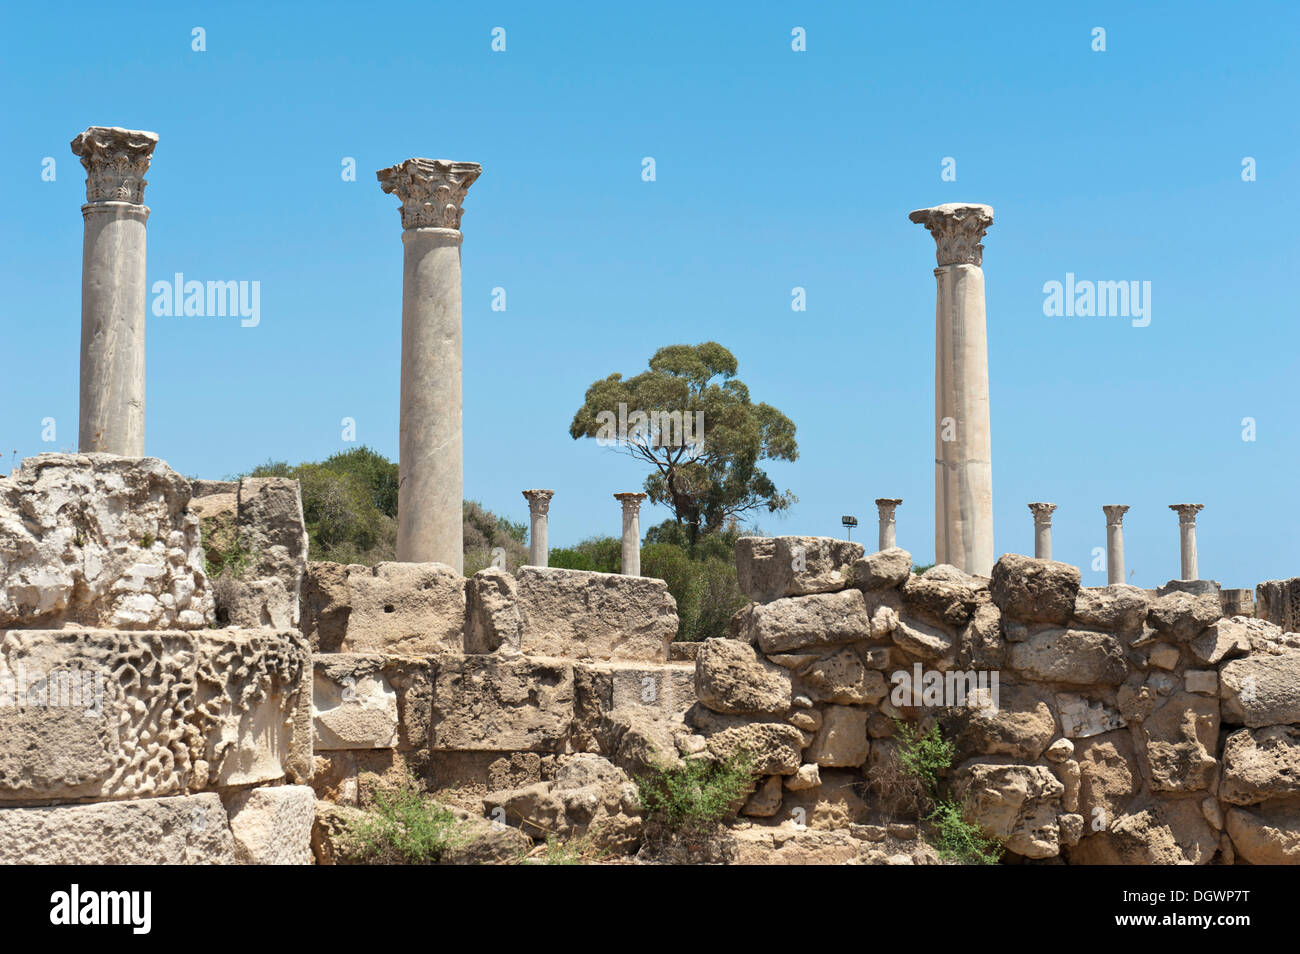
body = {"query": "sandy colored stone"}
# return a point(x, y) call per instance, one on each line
point(492, 621)
point(1021, 726)
point(1266, 835)
point(884, 569)
point(1034, 591)
point(1261, 690)
point(579, 615)
point(1119, 607)
point(273, 826)
point(1072, 656)
point(409, 608)
point(844, 679)
point(1165, 832)
point(769, 568)
point(494, 703)
point(730, 677)
point(773, 747)
point(804, 622)
point(184, 830)
point(1180, 617)
point(100, 541)
point(371, 701)
point(1260, 764)
point(842, 740)
point(1017, 804)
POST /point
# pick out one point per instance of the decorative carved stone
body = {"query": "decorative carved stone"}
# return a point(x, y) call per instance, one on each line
point(957, 228)
point(431, 190)
point(115, 161)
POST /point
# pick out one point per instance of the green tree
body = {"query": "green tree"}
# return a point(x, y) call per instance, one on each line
point(707, 474)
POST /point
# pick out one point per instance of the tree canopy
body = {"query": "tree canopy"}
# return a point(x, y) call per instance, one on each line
point(693, 422)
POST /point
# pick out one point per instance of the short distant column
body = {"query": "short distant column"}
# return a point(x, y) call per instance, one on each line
point(1115, 542)
point(539, 503)
point(1187, 537)
point(885, 506)
point(631, 531)
point(1042, 529)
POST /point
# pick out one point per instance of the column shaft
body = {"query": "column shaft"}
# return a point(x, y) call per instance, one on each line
point(963, 453)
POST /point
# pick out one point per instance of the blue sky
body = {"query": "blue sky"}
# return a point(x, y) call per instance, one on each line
point(774, 169)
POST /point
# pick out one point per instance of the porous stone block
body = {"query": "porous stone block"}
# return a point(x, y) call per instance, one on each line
point(271, 525)
point(272, 825)
point(1259, 764)
point(1034, 591)
point(883, 569)
point(768, 568)
point(185, 830)
point(1072, 656)
point(125, 715)
point(1278, 602)
point(1017, 804)
point(407, 608)
point(575, 614)
point(803, 622)
point(492, 621)
point(1117, 607)
point(371, 701)
point(493, 703)
point(730, 677)
point(1261, 690)
point(1267, 834)
point(97, 540)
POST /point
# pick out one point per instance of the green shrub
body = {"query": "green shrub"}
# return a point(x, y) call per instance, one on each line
point(567, 558)
point(698, 794)
point(958, 840)
point(402, 827)
point(924, 756)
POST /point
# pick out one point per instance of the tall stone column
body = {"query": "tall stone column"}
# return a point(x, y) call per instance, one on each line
point(1042, 529)
point(113, 289)
point(888, 533)
point(963, 468)
point(631, 531)
point(539, 504)
point(1187, 537)
point(1115, 542)
point(430, 489)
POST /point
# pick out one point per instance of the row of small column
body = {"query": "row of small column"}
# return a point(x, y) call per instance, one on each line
point(539, 505)
point(1115, 537)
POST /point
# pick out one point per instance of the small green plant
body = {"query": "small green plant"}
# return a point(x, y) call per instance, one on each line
point(918, 570)
point(403, 826)
point(146, 541)
point(695, 796)
point(575, 851)
point(958, 840)
point(926, 756)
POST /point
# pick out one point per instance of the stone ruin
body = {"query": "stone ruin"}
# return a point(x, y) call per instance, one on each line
point(1127, 728)
point(150, 714)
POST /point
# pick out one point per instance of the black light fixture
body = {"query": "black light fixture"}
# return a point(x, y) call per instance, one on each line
point(849, 524)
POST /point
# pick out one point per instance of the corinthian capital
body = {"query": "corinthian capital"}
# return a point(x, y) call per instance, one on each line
point(115, 161)
point(431, 190)
point(1115, 514)
point(539, 501)
point(1042, 512)
point(1187, 512)
point(957, 228)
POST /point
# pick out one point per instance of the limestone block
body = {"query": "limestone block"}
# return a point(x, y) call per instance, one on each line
point(766, 801)
point(666, 689)
point(1278, 602)
point(1018, 804)
point(730, 677)
point(1109, 774)
point(273, 825)
point(100, 541)
point(948, 602)
point(1266, 835)
point(768, 568)
point(408, 608)
point(185, 830)
point(842, 678)
point(1034, 591)
point(1082, 717)
point(802, 622)
point(1261, 690)
point(126, 715)
point(494, 703)
point(579, 615)
point(1072, 656)
point(1177, 744)
point(842, 741)
point(1163, 832)
point(271, 525)
point(1204, 681)
point(923, 640)
point(774, 747)
point(1021, 726)
point(884, 569)
point(371, 701)
point(1180, 617)
point(1261, 764)
point(492, 621)
point(1118, 607)
point(245, 603)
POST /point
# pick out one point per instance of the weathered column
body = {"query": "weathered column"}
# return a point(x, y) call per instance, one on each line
point(963, 491)
point(885, 508)
point(113, 289)
point(539, 503)
point(430, 489)
point(631, 531)
point(1042, 529)
point(1115, 542)
point(1187, 537)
